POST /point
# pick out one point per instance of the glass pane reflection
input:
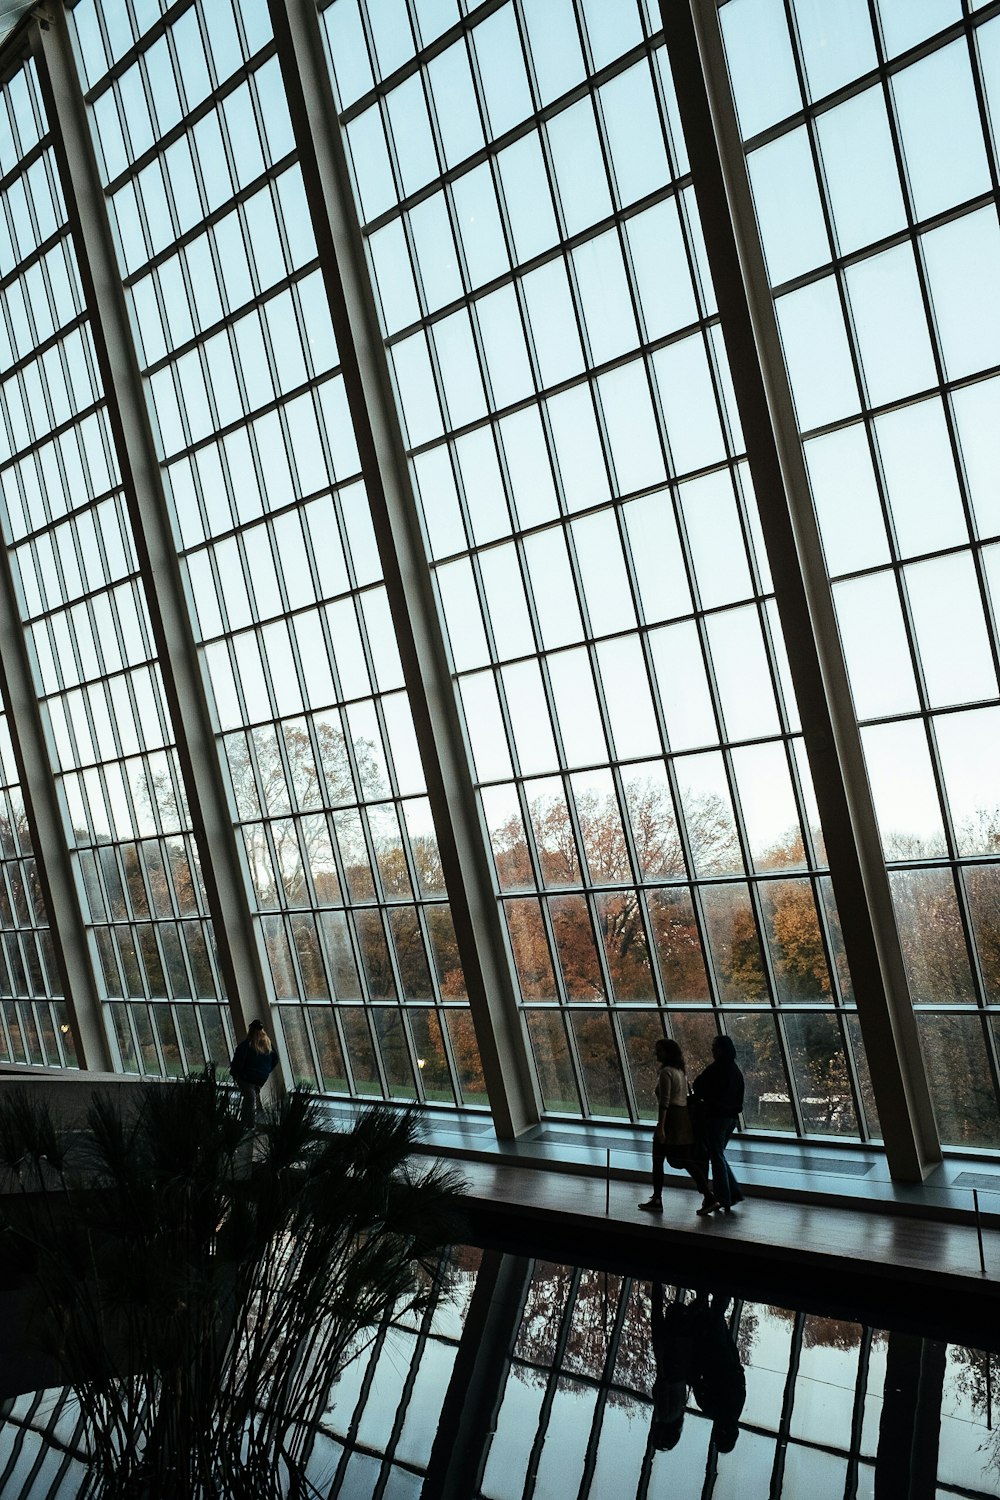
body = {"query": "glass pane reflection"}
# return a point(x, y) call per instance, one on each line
point(617, 1386)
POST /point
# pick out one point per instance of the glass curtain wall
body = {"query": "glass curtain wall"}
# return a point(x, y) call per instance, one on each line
point(871, 144)
point(271, 518)
point(33, 1023)
point(83, 607)
point(534, 243)
point(534, 246)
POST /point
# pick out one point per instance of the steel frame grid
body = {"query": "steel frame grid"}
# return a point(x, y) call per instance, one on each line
point(582, 606)
point(422, 1335)
point(191, 115)
point(911, 234)
point(29, 738)
point(541, 113)
point(885, 68)
point(819, 906)
point(832, 740)
point(38, 259)
point(31, 1422)
point(559, 253)
point(297, 275)
point(24, 1430)
point(152, 152)
point(132, 440)
point(329, 805)
point(83, 685)
point(925, 711)
point(481, 945)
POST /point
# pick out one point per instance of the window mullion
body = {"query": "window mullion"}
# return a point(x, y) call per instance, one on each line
point(465, 860)
point(802, 591)
point(240, 958)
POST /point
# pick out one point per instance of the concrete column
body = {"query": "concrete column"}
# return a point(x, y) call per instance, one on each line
point(461, 838)
point(47, 820)
point(469, 1410)
point(185, 688)
point(802, 590)
point(909, 1431)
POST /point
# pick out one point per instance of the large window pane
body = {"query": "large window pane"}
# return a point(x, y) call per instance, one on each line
point(904, 170)
point(261, 466)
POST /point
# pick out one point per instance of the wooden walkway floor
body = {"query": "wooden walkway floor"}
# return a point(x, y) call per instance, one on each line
point(913, 1271)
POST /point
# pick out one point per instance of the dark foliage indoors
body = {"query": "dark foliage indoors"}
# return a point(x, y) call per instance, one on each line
point(201, 1302)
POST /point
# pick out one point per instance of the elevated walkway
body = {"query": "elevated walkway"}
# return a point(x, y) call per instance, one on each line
point(820, 1218)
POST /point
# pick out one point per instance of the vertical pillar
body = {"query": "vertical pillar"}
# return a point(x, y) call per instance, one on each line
point(184, 684)
point(787, 1405)
point(802, 591)
point(906, 1459)
point(465, 861)
point(469, 1410)
point(47, 820)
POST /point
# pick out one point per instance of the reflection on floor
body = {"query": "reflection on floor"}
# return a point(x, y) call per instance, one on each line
point(535, 1380)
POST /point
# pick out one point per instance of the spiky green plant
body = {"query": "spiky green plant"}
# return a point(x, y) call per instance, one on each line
point(201, 1303)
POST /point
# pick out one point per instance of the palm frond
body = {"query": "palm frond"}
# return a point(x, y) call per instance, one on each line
point(202, 1307)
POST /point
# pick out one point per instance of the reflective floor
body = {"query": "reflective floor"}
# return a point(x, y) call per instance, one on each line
point(536, 1379)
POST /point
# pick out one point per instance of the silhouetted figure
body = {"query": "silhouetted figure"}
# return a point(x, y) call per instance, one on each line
point(718, 1384)
point(673, 1339)
point(673, 1138)
point(253, 1063)
point(719, 1091)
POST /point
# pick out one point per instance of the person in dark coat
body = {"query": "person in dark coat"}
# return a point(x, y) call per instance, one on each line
point(719, 1385)
point(719, 1092)
point(253, 1063)
point(673, 1338)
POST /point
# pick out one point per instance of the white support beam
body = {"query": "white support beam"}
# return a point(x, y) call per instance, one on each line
point(47, 824)
point(802, 590)
point(461, 838)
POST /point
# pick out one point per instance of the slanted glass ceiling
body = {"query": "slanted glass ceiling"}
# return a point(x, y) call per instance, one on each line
point(530, 230)
point(872, 151)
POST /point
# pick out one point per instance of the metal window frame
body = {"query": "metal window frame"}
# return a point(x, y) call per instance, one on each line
point(184, 687)
point(858, 876)
point(707, 329)
point(804, 598)
point(302, 56)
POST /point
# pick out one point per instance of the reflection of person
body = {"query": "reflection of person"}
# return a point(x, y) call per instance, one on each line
point(673, 1350)
point(253, 1063)
point(718, 1382)
point(673, 1138)
point(719, 1091)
